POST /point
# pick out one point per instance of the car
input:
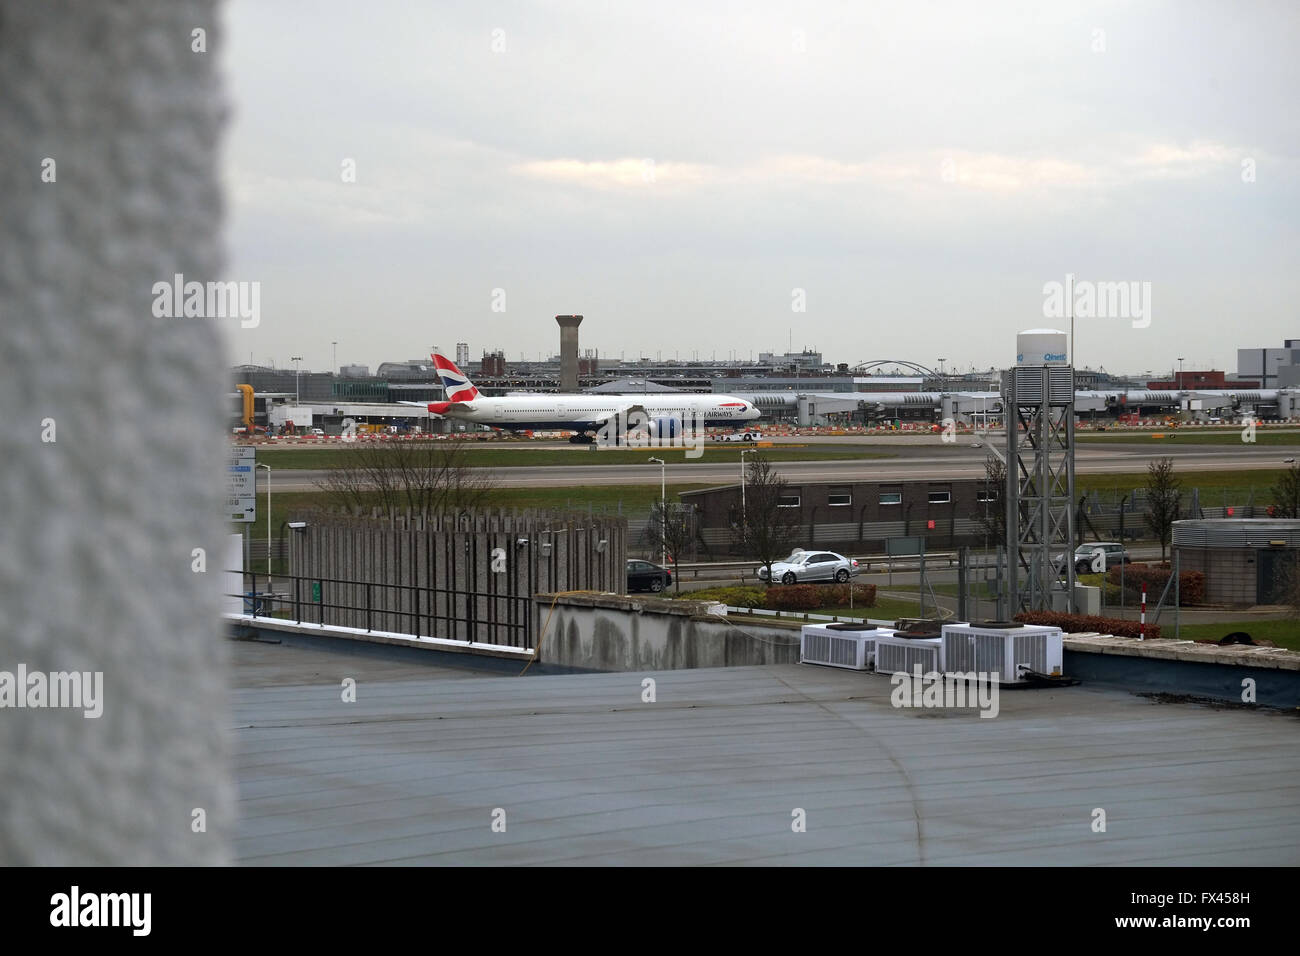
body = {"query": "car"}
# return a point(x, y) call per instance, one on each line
point(318, 432)
point(1112, 551)
point(644, 576)
point(740, 436)
point(804, 566)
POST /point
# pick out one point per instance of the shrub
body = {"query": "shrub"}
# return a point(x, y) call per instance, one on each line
point(793, 597)
point(730, 596)
point(1075, 623)
point(837, 595)
point(1191, 584)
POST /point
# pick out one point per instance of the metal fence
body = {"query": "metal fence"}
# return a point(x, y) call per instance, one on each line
point(483, 617)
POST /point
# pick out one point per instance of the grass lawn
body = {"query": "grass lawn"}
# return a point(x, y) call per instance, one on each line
point(1190, 436)
point(1211, 483)
point(636, 500)
point(521, 455)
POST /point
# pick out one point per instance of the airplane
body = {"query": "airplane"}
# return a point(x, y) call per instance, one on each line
point(666, 411)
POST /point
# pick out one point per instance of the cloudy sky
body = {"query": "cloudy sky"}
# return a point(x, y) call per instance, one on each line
point(686, 174)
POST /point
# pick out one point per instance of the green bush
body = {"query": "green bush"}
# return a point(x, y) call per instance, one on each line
point(734, 596)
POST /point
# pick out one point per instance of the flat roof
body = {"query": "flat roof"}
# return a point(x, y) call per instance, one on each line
point(711, 773)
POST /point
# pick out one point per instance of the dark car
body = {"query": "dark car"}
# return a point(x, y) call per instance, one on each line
point(644, 576)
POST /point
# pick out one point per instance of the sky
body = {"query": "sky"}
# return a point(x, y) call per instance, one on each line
point(873, 181)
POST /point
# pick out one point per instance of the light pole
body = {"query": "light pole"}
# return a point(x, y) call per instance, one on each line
point(295, 359)
point(1180, 371)
point(336, 356)
point(663, 510)
point(268, 524)
point(744, 515)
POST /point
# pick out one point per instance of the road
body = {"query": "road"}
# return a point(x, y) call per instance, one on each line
point(932, 460)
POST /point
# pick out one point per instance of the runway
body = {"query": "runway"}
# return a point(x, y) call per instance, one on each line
point(915, 461)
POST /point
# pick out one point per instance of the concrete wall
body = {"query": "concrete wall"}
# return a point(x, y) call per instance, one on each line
point(608, 632)
point(98, 573)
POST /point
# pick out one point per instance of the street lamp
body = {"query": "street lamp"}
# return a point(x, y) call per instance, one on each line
point(336, 356)
point(295, 359)
point(744, 515)
point(268, 524)
point(663, 510)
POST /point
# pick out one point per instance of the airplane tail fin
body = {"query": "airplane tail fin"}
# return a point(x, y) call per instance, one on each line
point(456, 383)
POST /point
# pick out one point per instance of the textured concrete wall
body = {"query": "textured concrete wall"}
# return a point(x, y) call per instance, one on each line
point(96, 567)
point(607, 632)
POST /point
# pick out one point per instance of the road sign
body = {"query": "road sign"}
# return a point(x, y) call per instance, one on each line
point(904, 546)
point(241, 491)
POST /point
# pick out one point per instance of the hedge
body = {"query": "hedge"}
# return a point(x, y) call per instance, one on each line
point(791, 597)
point(1076, 623)
point(809, 597)
point(1191, 584)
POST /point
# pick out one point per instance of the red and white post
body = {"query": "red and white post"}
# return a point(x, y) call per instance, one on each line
point(1142, 629)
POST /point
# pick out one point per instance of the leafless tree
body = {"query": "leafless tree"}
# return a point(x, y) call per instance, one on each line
point(1164, 501)
point(991, 515)
point(1286, 493)
point(426, 476)
point(670, 533)
point(765, 528)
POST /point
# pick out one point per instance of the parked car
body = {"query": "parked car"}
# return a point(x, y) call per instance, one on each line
point(644, 576)
point(1113, 552)
point(318, 432)
point(804, 566)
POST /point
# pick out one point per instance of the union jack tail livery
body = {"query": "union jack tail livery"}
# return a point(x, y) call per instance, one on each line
point(456, 383)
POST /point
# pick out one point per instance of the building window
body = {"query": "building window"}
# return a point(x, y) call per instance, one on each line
point(788, 501)
point(940, 497)
point(891, 497)
point(983, 496)
point(839, 497)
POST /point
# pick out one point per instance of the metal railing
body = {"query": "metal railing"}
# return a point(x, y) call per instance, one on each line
point(477, 617)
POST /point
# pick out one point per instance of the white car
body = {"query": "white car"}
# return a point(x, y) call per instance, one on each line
point(318, 432)
point(804, 566)
point(740, 436)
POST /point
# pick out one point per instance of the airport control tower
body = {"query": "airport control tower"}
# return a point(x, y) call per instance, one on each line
point(1038, 396)
point(568, 351)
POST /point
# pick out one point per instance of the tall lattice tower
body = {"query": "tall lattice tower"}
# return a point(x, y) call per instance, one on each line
point(1038, 398)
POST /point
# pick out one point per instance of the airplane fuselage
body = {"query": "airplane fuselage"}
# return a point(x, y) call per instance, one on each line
point(519, 412)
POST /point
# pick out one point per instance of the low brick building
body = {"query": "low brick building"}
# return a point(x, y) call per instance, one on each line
point(857, 516)
point(1245, 561)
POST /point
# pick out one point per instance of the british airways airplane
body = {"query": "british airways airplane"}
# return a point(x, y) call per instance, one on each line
point(666, 411)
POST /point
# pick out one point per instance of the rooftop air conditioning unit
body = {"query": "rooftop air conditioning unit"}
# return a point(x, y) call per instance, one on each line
point(852, 646)
point(1004, 648)
point(903, 652)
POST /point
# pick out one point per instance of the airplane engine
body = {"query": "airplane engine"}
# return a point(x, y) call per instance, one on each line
point(665, 427)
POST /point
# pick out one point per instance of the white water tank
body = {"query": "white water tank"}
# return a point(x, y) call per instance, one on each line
point(1041, 347)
